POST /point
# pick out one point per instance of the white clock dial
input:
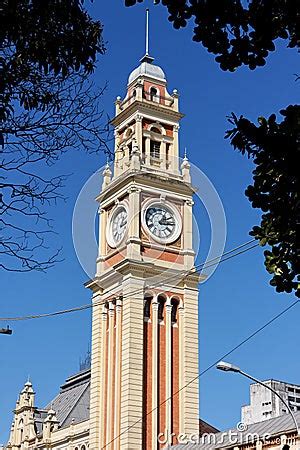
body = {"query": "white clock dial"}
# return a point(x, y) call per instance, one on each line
point(117, 226)
point(162, 222)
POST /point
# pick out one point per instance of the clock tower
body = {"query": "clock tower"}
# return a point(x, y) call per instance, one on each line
point(145, 292)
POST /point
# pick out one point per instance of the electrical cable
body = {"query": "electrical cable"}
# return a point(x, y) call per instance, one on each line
point(201, 266)
point(247, 339)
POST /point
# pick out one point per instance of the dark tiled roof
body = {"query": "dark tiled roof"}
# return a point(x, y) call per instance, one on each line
point(205, 427)
point(73, 401)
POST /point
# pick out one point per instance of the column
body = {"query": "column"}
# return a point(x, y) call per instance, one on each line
point(189, 257)
point(98, 347)
point(147, 152)
point(181, 359)
point(139, 131)
point(126, 160)
point(163, 155)
point(102, 239)
point(175, 148)
point(190, 360)
point(110, 375)
point(132, 363)
point(103, 385)
point(168, 370)
point(154, 373)
point(117, 168)
point(118, 374)
point(133, 248)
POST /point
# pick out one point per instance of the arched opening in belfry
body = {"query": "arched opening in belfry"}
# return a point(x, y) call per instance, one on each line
point(154, 96)
point(174, 304)
point(161, 300)
point(147, 306)
point(21, 430)
point(155, 130)
point(155, 149)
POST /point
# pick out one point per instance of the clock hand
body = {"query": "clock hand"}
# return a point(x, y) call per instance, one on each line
point(166, 221)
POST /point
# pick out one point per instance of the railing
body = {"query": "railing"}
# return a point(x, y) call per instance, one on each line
point(157, 98)
point(160, 99)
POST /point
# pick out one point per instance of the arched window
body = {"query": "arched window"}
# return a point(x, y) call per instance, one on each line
point(21, 430)
point(156, 130)
point(134, 93)
point(174, 303)
point(128, 133)
point(147, 306)
point(130, 148)
point(155, 149)
point(83, 447)
point(161, 305)
point(154, 96)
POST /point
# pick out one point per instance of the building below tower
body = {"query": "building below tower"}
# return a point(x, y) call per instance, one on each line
point(61, 425)
point(266, 405)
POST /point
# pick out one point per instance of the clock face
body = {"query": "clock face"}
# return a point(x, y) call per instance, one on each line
point(117, 226)
point(162, 222)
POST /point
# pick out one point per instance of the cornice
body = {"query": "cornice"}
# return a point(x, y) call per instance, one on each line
point(158, 180)
point(144, 107)
point(144, 271)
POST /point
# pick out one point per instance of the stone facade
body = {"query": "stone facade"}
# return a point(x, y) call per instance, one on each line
point(145, 315)
point(61, 425)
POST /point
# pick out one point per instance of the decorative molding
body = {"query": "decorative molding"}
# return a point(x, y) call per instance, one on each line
point(189, 202)
point(133, 189)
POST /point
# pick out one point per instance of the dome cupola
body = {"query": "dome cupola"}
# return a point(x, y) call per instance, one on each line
point(147, 69)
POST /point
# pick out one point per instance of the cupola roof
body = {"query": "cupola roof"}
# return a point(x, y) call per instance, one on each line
point(146, 68)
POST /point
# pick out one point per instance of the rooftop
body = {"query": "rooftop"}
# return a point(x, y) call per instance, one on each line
point(73, 401)
point(271, 428)
point(146, 68)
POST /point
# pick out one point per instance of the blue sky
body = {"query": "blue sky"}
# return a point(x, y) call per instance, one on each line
point(237, 299)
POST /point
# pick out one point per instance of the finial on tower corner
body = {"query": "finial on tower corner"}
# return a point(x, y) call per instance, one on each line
point(185, 168)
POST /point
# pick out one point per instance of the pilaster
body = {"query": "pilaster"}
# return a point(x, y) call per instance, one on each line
point(133, 248)
point(189, 257)
point(189, 362)
point(96, 374)
point(117, 374)
point(132, 364)
point(154, 373)
point(168, 404)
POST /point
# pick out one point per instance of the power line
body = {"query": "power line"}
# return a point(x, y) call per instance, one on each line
point(230, 254)
point(247, 339)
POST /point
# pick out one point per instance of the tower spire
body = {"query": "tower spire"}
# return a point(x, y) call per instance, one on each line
point(147, 58)
point(147, 32)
